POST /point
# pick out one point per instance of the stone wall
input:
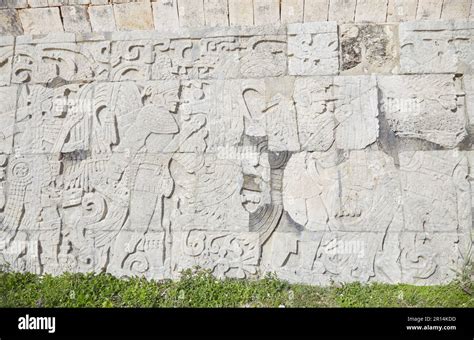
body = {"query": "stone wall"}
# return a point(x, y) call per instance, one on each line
point(45, 16)
point(321, 151)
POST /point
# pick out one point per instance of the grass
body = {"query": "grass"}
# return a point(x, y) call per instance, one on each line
point(199, 288)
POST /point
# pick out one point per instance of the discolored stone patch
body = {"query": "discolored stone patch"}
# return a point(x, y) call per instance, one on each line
point(368, 48)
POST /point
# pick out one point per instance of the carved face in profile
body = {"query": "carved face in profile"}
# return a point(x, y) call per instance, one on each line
point(168, 97)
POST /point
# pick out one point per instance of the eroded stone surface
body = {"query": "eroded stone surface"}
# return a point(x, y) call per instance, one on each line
point(10, 22)
point(437, 47)
point(429, 9)
point(165, 13)
point(133, 16)
point(240, 12)
point(292, 11)
point(342, 10)
point(312, 48)
point(75, 19)
point(40, 20)
point(371, 10)
point(434, 113)
point(102, 18)
point(368, 48)
point(401, 10)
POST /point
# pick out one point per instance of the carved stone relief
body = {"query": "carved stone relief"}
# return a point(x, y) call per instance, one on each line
point(239, 150)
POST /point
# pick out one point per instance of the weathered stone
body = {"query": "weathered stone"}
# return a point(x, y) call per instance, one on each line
point(13, 3)
point(41, 20)
point(314, 100)
point(37, 3)
point(317, 10)
point(216, 13)
point(165, 13)
point(330, 196)
point(241, 12)
point(434, 113)
point(292, 11)
point(371, 10)
point(102, 18)
point(57, 3)
point(10, 22)
point(356, 111)
point(437, 47)
point(6, 58)
point(342, 10)
point(266, 12)
point(75, 19)
point(468, 85)
point(78, 2)
point(69, 61)
point(401, 10)
point(455, 9)
point(191, 13)
point(313, 48)
point(368, 48)
point(133, 16)
point(437, 208)
point(7, 116)
point(429, 9)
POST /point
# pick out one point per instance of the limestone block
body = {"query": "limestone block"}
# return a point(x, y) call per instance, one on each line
point(216, 13)
point(342, 10)
point(468, 82)
point(371, 11)
point(133, 16)
point(369, 48)
point(437, 47)
point(165, 13)
point(313, 48)
point(241, 12)
point(13, 3)
point(316, 10)
point(10, 22)
point(266, 12)
point(6, 60)
point(292, 11)
point(75, 19)
point(314, 100)
point(40, 20)
point(191, 13)
point(429, 9)
point(37, 3)
point(456, 9)
point(401, 10)
point(7, 117)
point(356, 111)
point(432, 113)
point(102, 18)
point(69, 61)
point(99, 2)
point(59, 3)
point(78, 2)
